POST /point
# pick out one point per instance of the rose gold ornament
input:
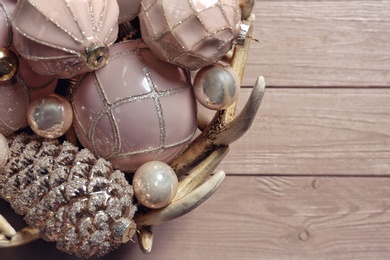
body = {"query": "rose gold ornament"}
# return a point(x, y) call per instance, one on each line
point(216, 87)
point(128, 10)
point(66, 37)
point(9, 64)
point(155, 184)
point(50, 116)
point(135, 109)
point(190, 33)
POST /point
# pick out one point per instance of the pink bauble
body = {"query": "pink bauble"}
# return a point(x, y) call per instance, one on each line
point(65, 38)
point(190, 33)
point(136, 109)
point(128, 10)
point(6, 10)
point(16, 94)
point(14, 100)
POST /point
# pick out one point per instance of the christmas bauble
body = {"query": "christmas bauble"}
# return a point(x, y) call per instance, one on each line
point(216, 87)
point(9, 64)
point(155, 184)
point(65, 38)
point(128, 10)
point(6, 10)
point(16, 93)
point(190, 33)
point(136, 109)
point(14, 100)
point(50, 116)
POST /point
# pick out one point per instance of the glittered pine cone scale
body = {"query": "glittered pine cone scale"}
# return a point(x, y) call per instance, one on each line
point(71, 196)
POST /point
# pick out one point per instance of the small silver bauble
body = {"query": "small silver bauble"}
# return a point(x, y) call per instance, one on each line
point(155, 184)
point(50, 116)
point(216, 87)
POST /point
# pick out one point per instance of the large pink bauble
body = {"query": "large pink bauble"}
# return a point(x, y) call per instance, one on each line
point(136, 109)
point(190, 33)
point(16, 94)
point(65, 38)
point(6, 10)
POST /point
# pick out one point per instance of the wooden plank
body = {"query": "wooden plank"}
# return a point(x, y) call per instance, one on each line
point(316, 132)
point(321, 43)
point(268, 218)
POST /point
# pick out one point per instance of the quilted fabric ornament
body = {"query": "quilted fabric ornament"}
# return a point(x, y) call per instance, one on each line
point(65, 38)
point(136, 109)
point(190, 33)
point(72, 197)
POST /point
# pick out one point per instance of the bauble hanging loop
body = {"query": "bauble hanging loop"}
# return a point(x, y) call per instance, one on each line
point(97, 56)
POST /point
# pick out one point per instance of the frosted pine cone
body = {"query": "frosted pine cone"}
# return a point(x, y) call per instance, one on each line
point(71, 196)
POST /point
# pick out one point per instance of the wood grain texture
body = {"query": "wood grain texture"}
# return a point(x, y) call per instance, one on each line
point(321, 43)
point(316, 132)
point(268, 218)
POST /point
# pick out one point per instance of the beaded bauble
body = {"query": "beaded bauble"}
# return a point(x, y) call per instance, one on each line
point(190, 33)
point(136, 109)
point(71, 196)
point(65, 38)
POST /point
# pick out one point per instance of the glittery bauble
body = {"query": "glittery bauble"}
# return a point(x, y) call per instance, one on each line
point(128, 10)
point(216, 87)
point(190, 33)
point(72, 197)
point(65, 38)
point(136, 109)
point(6, 9)
point(50, 116)
point(155, 184)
